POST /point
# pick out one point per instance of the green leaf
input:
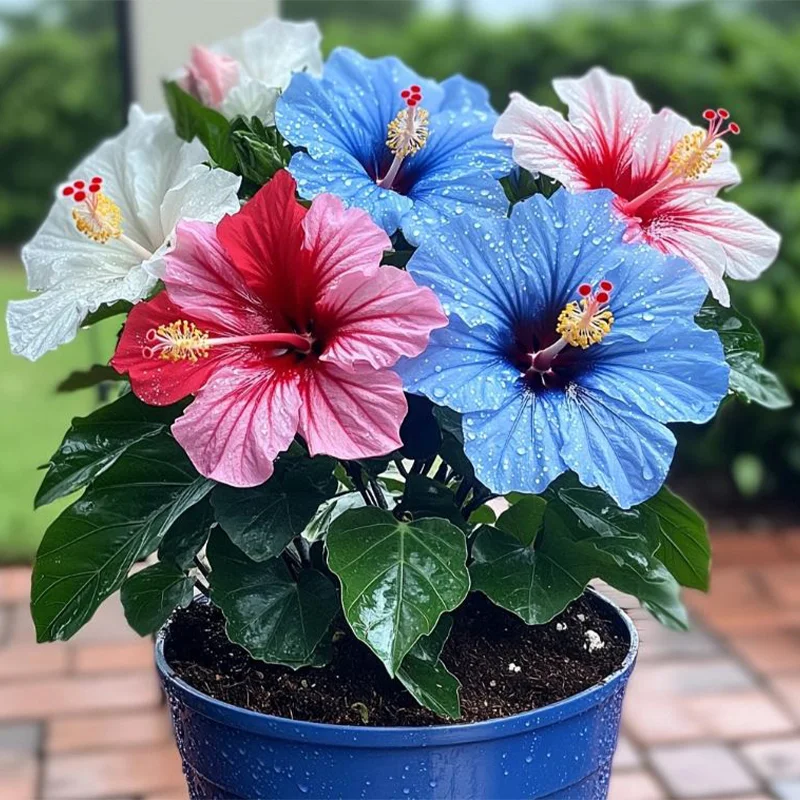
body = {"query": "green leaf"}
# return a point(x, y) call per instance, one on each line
point(524, 518)
point(87, 378)
point(274, 617)
point(94, 443)
point(744, 352)
point(427, 679)
point(684, 546)
point(397, 578)
point(150, 596)
point(192, 119)
point(106, 312)
point(87, 551)
point(535, 583)
point(262, 520)
point(329, 511)
point(260, 152)
point(483, 515)
point(420, 429)
point(187, 535)
point(425, 497)
point(452, 447)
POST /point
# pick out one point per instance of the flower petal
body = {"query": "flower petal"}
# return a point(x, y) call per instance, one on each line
point(461, 94)
point(616, 447)
point(351, 414)
point(463, 367)
point(376, 321)
point(239, 423)
point(678, 375)
point(516, 448)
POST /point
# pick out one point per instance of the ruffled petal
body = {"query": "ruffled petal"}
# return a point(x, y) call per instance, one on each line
point(543, 141)
point(239, 423)
point(160, 381)
point(609, 444)
point(463, 368)
point(341, 241)
point(377, 320)
point(461, 94)
point(516, 448)
point(678, 375)
point(351, 414)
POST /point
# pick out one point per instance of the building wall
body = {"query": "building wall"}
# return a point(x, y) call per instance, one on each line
point(163, 31)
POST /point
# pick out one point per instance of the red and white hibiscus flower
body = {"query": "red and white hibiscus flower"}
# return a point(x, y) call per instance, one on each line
point(665, 171)
point(280, 320)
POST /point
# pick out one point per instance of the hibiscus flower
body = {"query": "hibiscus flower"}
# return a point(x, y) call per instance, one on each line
point(410, 151)
point(280, 321)
point(245, 74)
point(665, 172)
point(566, 348)
point(105, 238)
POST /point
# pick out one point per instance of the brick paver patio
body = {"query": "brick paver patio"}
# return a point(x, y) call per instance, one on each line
point(710, 714)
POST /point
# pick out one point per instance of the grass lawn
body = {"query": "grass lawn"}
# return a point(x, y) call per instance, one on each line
point(34, 419)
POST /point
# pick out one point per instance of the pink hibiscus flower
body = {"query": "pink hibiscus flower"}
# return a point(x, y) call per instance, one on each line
point(665, 172)
point(281, 320)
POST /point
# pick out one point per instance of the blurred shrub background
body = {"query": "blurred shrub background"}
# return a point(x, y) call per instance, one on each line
point(61, 92)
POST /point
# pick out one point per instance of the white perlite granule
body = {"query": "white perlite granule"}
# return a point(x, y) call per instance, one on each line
point(593, 641)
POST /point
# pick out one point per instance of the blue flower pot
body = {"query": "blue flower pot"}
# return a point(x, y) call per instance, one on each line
point(560, 752)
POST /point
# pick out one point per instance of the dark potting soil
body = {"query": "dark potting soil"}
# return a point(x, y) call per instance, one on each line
point(505, 667)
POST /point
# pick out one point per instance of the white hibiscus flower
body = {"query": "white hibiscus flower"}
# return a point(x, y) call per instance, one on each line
point(105, 238)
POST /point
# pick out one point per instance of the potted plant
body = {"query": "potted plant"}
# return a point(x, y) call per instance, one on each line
point(395, 379)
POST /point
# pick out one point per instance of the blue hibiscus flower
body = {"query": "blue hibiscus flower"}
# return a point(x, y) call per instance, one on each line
point(566, 348)
point(412, 152)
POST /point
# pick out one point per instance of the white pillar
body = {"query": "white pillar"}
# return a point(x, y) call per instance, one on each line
point(163, 31)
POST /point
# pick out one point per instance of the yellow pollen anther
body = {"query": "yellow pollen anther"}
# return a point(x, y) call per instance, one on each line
point(694, 155)
point(408, 131)
point(99, 218)
point(583, 323)
point(178, 341)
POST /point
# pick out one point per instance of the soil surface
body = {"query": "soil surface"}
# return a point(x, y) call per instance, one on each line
point(505, 667)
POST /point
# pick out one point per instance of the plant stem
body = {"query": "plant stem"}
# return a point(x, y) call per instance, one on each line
point(354, 471)
point(398, 462)
point(441, 473)
point(204, 570)
point(202, 588)
point(378, 492)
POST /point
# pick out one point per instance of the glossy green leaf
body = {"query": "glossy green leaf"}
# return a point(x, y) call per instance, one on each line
point(106, 311)
point(151, 595)
point(260, 151)
point(483, 515)
point(88, 378)
point(330, 510)
point(523, 518)
point(744, 352)
point(684, 546)
point(425, 497)
point(87, 551)
point(262, 520)
point(94, 443)
point(427, 679)
point(187, 535)
point(535, 583)
point(193, 119)
point(397, 577)
point(274, 617)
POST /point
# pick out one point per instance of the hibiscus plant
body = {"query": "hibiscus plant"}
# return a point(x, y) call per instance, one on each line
point(382, 349)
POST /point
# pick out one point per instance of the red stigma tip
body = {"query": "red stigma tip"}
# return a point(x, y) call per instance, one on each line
point(584, 290)
point(414, 88)
point(709, 114)
point(601, 297)
point(97, 179)
point(411, 103)
point(95, 187)
point(80, 197)
point(79, 184)
point(606, 286)
point(416, 96)
point(405, 93)
point(67, 191)
point(723, 112)
point(734, 129)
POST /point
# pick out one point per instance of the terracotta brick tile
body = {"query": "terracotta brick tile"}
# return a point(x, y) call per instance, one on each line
point(30, 660)
point(20, 626)
point(680, 678)
point(626, 757)
point(660, 721)
point(15, 584)
point(52, 697)
point(107, 625)
point(777, 759)
point(739, 715)
point(783, 582)
point(138, 771)
point(18, 778)
point(659, 643)
point(108, 731)
point(177, 794)
point(114, 656)
point(731, 624)
point(787, 689)
point(749, 548)
point(5, 624)
point(701, 770)
point(634, 786)
point(770, 653)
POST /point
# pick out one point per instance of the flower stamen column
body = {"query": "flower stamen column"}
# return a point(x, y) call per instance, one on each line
point(408, 132)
